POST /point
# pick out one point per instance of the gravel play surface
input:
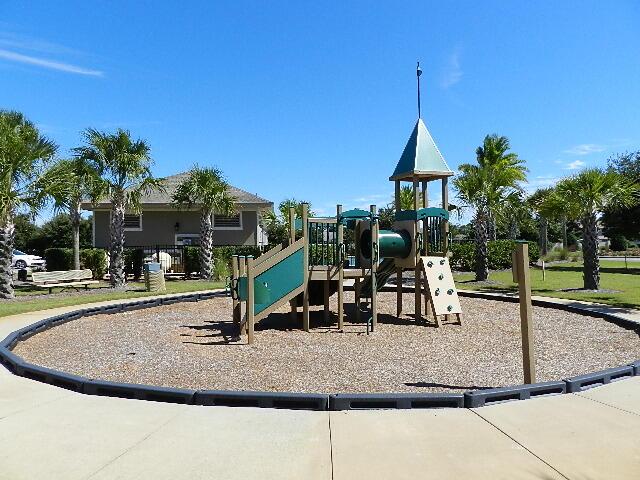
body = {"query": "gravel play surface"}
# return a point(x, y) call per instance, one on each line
point(192, 345)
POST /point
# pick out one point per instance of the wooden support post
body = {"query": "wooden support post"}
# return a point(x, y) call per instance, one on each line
point(425, 204)
point(445, 223)
point(242, 270)
point(416, 270)
point(375, 257)
point(292, 225)
point(356, 293)
point(292, 238)
point(398, 203)
point(341, 259)
point(398, 291)
point(250, 300)
point(521, 267)
point(305, 294)
point(326, 294)
point(234, 295)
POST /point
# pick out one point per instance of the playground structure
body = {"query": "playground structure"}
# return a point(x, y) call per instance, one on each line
point(314, 263)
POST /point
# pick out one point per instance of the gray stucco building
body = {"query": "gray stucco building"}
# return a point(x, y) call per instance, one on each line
point(159, 223)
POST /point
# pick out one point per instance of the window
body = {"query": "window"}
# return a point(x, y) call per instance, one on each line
point(187, 238)
point(233, 222)
point(132, 221)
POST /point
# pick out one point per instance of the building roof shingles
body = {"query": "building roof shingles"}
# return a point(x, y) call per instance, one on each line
point(171, 183)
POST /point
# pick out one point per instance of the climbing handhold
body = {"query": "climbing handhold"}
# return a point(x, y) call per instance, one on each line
point(442, 261)
point(429, 264)
point(437, 292)
point(450, 291)
point(449, 308)
point(440, 277)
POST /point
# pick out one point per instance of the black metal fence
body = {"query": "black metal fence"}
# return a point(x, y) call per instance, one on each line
point(178, 259)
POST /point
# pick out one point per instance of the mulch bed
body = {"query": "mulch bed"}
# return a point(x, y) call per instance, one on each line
point(193, 345)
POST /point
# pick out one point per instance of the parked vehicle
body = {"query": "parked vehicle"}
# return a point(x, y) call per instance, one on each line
point(24, 260)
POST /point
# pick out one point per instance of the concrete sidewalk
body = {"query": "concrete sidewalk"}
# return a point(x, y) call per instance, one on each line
point(48, 432)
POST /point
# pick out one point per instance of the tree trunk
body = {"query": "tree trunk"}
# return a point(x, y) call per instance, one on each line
point(492, 228)
point(591, 269)
point(565, 242)
point(74, 213)
point(7, 232)
point(544, 236)
point(206, 245)
point(116, 252)
point(514, 230)
point(482, 260)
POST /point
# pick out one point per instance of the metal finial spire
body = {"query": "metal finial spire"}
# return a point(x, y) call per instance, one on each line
point(418, 73)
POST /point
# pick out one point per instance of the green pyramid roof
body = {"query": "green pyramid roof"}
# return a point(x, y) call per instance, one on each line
point(421, 158)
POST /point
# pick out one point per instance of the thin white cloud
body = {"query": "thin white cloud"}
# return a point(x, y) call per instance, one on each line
point(585, 149)
point(12, 41)
point(452, 73)
point(575, 165)
point(48, 64)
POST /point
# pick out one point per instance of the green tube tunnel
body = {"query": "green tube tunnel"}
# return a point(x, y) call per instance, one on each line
point(391, 243)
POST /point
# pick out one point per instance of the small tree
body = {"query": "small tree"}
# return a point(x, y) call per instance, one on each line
point(205, 188)
point(124, 166)
point(585, 195)
point(277, 225)
point(485, 186)
point(24, 182)
point(83, 182)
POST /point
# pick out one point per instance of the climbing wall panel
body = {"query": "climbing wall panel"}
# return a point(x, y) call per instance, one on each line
point(442, 289)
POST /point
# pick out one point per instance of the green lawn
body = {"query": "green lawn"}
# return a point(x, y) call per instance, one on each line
point(103, 293)
point(613, 276)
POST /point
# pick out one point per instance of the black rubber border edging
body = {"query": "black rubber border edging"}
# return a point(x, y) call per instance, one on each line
point(295, 401)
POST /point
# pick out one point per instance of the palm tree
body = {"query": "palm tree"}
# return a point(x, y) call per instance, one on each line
point(277, 225)
point(206, 188)
point(124, 166)
point(24, 182)
point(485, 186)
point(584, 196)
point(549, 206)
point(83, 182)
point(514, 214)
point(539, 201)
point(407, 199)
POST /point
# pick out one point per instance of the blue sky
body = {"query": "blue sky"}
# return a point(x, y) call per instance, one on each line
point(315, 100)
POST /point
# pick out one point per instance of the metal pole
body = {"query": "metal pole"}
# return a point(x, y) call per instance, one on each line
point(418, 73)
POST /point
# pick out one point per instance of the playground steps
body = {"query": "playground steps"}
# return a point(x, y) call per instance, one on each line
point(385, 270)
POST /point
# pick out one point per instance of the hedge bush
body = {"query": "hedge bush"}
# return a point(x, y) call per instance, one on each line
point(499, 254)
point(95, 259)
point(59, 258)
point(619, 243)
point(133, 262)
point(191, 260)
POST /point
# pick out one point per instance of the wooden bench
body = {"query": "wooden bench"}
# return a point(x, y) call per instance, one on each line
point(64, 279)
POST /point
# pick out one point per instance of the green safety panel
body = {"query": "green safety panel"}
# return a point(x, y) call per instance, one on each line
point(276, 282)
point(355, 214)
point(422, 213)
